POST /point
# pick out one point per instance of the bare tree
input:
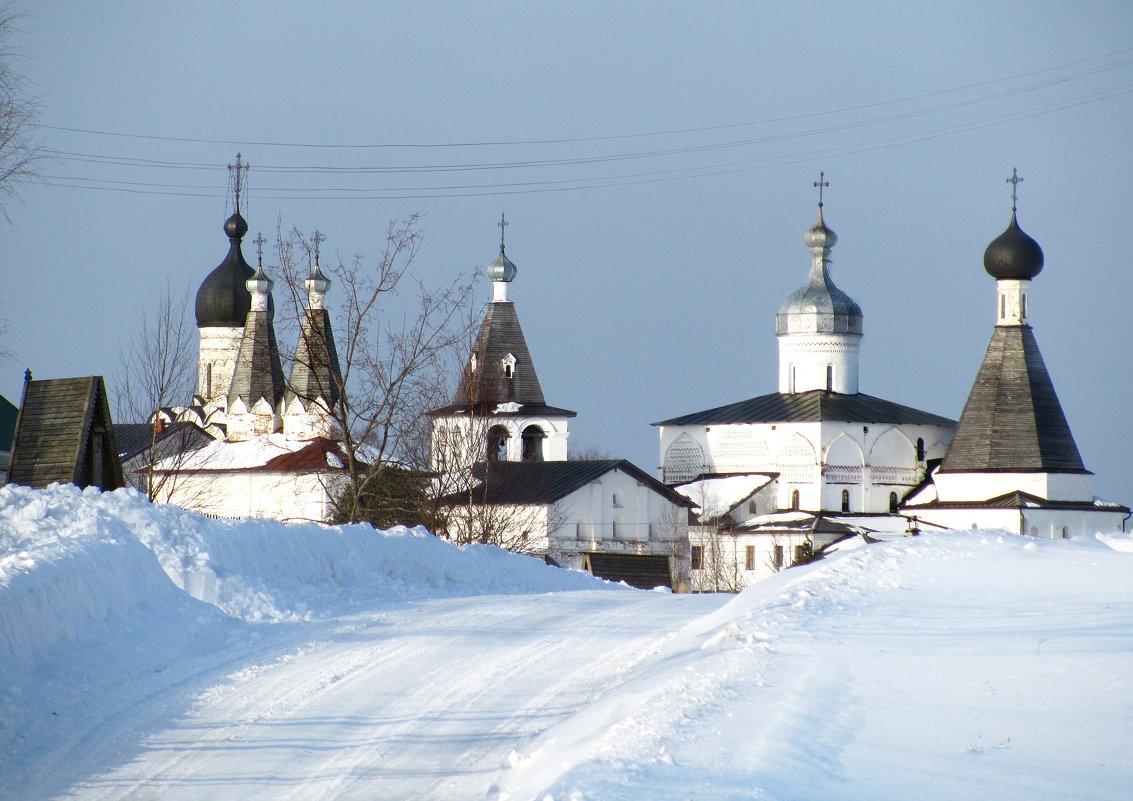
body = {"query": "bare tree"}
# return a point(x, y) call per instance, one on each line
point(19, 154)
point(157, 372)
point(391, 365)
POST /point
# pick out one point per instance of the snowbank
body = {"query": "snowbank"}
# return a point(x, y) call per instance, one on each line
point(70, 557)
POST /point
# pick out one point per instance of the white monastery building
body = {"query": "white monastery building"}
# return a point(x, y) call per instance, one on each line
point(780, 475)
point(500, 452)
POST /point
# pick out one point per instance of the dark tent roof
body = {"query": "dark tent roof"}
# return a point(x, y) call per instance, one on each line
point(1012, 421)
point(500, 336)
point(814, 406)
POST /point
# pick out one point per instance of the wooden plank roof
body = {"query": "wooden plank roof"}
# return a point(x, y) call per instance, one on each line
point(64, 434)
point(1012, 421)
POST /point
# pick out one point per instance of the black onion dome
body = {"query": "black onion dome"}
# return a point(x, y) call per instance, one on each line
point(1013, 255)
point(223, 300)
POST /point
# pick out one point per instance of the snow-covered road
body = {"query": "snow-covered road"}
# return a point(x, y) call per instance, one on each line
point(147, 653)
point(425, 701)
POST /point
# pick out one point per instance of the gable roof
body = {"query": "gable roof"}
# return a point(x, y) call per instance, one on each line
point(1017, 499)
point(64, 434)
point(810, 407)
point(134, 439)
point(523, 483)
point(1012, 421)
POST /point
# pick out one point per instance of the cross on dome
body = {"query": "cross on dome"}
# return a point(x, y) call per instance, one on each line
point(259, 240)
point(821, 184)
point(1014, 180)
point(238, 172)
point(502, 225)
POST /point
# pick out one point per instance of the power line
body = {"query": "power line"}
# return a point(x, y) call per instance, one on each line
point(636, 135)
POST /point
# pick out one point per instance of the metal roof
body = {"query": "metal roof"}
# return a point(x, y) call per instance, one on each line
point(521, 483)
point(810, 407)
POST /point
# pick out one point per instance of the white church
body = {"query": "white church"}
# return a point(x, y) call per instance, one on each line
point(276, 450)
point(778, 477)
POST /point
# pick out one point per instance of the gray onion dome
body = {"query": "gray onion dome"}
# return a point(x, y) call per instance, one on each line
point(502, 269)
point(819, 305)
point(1013, 255)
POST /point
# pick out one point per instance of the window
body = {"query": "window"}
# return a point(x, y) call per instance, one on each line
point(497, 444)
point(617, 502)
point(509, 366)
point(777, 557)
point(1002, 307)
point(803, 553)
point(893, 502)
point(794, 500)
point(752, 508)
point(829, 377)
point(698, 557)
point(208, 381)
point(749, 557)
point(791, 380)
point(845, 500)
point(1065, 533)
point(1024, 302)
point(532, 444)
point(920, 449)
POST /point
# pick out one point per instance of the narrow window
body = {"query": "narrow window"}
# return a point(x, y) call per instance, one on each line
point(1024, 302)
point(829, 378)
point(794, 500)
point(508, 370)
point(1002, 307)
point(920, 449)
point(1065, 533)
point(752, 508)
point(698, 557)
point(532, 444)
point(497, 444)
point(892, 502)
point(617, 504)
point(614, 529)
point(208, 381)
point(749, 557)
point(791, 380)
point(777, 557)
point(845, 500)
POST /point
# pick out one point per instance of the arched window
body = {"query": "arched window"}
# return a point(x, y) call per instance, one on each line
point(920, 449)
point(893, 502)
point(533, 444)
point(794, 500)
point(497, 444)
point(845, 500)
point(208, 381)
point(829, 378)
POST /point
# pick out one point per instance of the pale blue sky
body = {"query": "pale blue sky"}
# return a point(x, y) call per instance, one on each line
point(648, 282)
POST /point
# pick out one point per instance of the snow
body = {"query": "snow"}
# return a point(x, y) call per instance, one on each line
point(243, 455)
point(715, 497)
point(148, 652)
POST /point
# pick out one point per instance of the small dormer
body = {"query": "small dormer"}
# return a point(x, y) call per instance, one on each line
point(509, 366)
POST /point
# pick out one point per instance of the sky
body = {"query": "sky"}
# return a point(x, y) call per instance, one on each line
point(656, 164)
point(150, 652)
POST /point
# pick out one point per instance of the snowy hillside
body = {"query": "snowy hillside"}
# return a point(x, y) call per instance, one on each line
point(147, 652)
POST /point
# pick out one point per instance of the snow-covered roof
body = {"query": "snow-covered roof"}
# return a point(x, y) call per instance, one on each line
point(717, 495)
point(265, 452)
